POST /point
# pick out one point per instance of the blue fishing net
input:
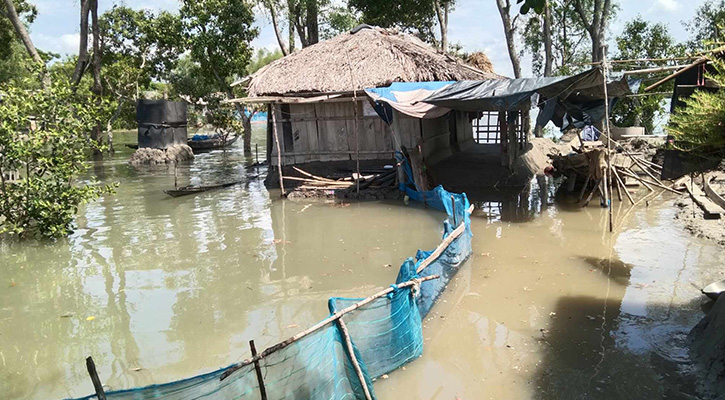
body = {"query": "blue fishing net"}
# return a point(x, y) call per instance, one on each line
point(386, 333)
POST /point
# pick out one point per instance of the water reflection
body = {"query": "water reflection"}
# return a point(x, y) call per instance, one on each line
point(515, 204)
point(159, 288)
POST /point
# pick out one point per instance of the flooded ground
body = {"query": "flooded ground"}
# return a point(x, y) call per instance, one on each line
point(158, 288)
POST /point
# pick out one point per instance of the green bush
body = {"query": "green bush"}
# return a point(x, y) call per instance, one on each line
point(699, 127)
point(44, 142)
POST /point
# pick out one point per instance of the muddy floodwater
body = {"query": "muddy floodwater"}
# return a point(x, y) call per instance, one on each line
point(157, 288)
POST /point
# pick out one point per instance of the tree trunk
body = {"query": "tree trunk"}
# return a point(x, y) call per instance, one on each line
point(509, 30)
point(277, 33)
point(97, 88)
point(313, 31)
point(247, 125)
point(82, 62)
point(598, 25)
point(548, 55)
point(290, 26)
point(12, 14)
point(442, 14)
point(296, 16)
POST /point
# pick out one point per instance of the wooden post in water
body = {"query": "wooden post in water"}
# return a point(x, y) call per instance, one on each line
point(453, 202)
point(91, 366)
point(279, 152)
point(260, 379)
point(608, 177)
point(256, 153)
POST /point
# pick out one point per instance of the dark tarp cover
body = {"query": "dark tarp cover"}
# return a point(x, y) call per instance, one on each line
point(576, 99)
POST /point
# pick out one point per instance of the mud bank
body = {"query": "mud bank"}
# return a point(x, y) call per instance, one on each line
point(708, 350)
point(174, 154)
point(693, 219)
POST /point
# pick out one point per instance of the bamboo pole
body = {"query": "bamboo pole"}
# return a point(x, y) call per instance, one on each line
point(624, 188)
point(441, 247)
point(332, 318)
point(279, 152)
point(330, 183)
point(353, 358)
point(608, 175)
point(683, 70)
point(584, 188)
point(305, 173)
point(260, 379)
point(591, 194)
point(97, 385)
point(630, 173)
point(616, 185)
point(645, 182)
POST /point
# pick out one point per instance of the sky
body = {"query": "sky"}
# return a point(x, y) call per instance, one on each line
point(475, 24)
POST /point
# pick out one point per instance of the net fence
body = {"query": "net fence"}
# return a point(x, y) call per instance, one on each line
point(361, 340)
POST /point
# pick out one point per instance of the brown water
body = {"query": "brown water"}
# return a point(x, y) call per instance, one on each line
point(158, 288)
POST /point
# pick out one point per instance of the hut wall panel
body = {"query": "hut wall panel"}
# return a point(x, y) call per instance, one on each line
point(326, 132)
point(326, 139)
point(436, 139)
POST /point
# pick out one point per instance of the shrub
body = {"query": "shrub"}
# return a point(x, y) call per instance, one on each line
point(44, 142)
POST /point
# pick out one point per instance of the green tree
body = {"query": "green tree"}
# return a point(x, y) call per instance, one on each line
point(641, 39)
point(706, 25)
point(44, 139)
point(217, 34)
point(419, 17)
point(699, 127)
point(568, 36)
point(261, 58)
point(138, 47)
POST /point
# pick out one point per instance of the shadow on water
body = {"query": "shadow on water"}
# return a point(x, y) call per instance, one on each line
point(590, 354)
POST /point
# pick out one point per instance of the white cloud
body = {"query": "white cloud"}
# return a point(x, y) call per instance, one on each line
point(66, 43)
point(669, 5)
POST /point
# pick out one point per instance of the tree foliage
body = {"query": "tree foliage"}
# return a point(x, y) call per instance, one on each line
point(641, 39)
point(570, 41)
point(707, 25)
point(699, 127)
point(414, 16)
point(44, 139)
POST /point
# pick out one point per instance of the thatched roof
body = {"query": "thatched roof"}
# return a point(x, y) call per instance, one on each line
point(480, 60)
point(378, 58)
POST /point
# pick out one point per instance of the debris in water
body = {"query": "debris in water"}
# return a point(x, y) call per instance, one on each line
point(91, 318)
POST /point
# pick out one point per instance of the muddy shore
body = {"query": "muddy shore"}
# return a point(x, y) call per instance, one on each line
point(693, 220)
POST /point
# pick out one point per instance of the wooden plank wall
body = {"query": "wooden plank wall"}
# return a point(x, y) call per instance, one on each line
point(326, 132)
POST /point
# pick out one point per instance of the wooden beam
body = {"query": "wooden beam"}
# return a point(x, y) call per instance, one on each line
point(711, 209)
point(683, 70)
point(712, 194)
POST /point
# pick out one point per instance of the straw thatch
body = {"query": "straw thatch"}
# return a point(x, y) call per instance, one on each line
point(480, 60)
point(371, 57)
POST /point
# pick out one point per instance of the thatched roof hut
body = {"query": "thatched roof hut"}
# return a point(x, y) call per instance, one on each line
point(366, 58)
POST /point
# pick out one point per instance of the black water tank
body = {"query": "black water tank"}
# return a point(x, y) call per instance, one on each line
point(161, 123)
